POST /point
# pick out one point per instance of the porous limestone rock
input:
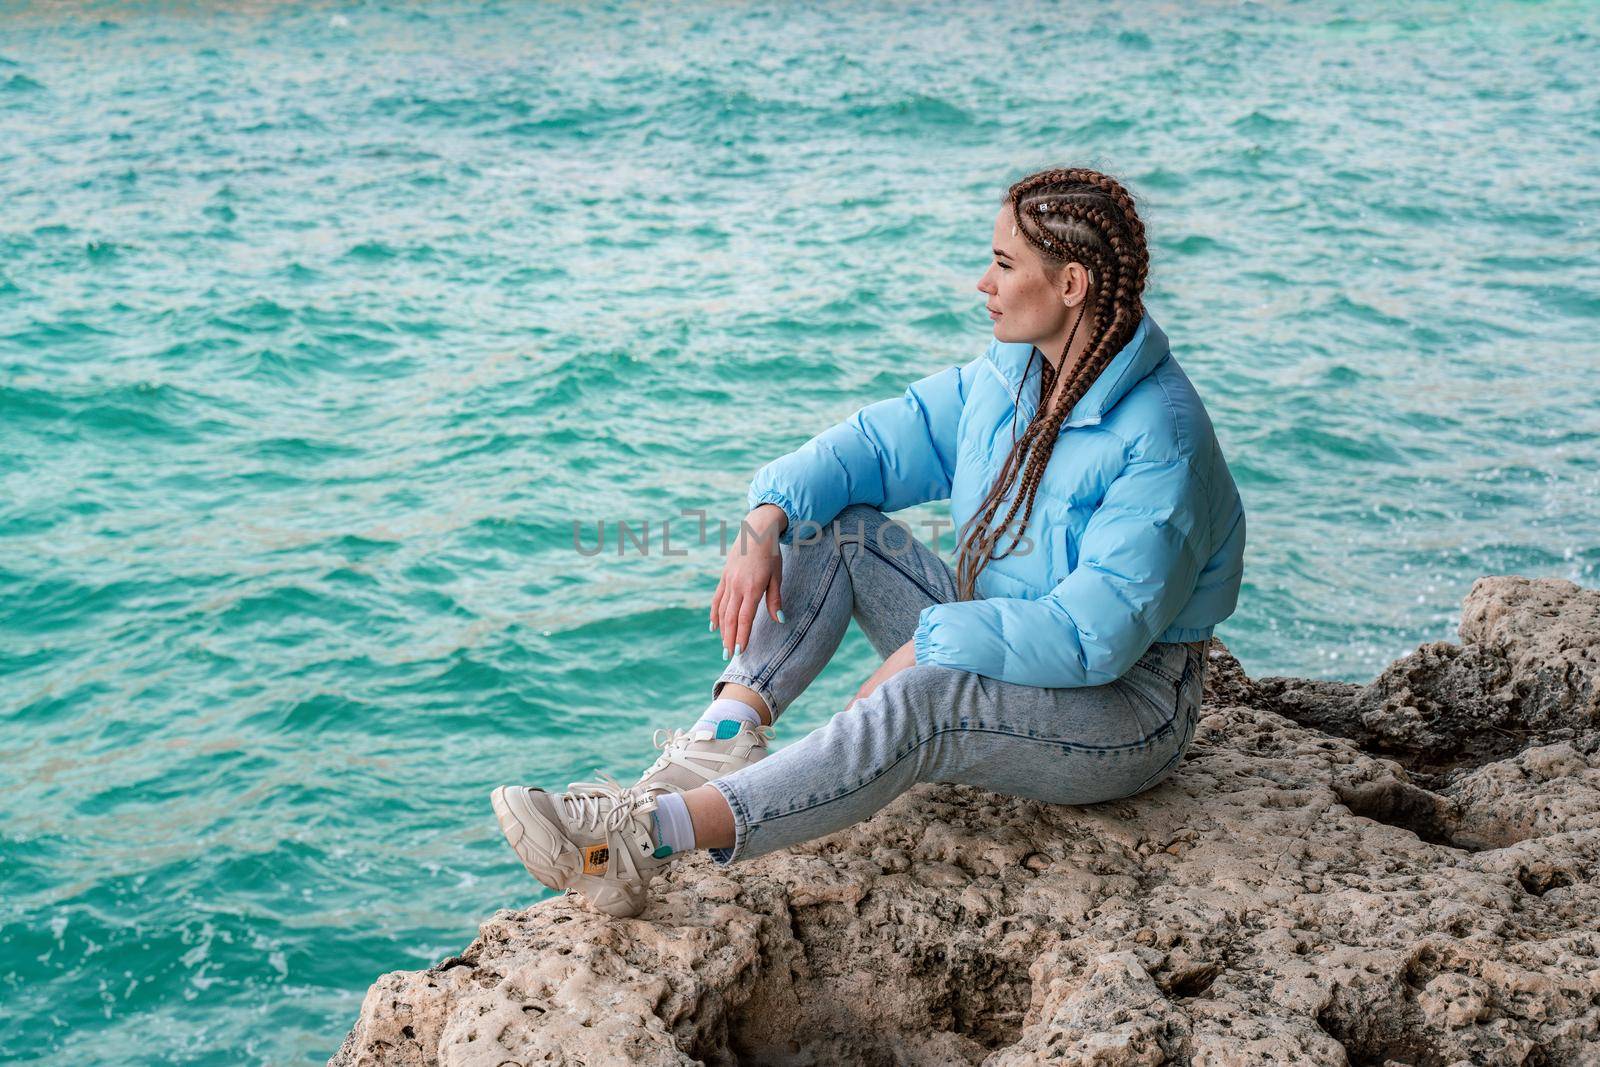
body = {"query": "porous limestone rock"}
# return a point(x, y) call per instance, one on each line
point(1396, 873)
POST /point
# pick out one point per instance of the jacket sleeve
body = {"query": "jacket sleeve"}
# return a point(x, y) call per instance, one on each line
point(1140, 557)
point(891, 454)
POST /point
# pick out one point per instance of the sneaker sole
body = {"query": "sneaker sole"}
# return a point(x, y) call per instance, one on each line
point(533, 839)
point(611, 898)
point(523, 827)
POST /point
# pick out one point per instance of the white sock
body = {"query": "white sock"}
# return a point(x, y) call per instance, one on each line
point(724, 709)
point(674, 828)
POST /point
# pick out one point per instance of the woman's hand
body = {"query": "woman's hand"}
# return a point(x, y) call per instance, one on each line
point(901, 658)
point(753, 570)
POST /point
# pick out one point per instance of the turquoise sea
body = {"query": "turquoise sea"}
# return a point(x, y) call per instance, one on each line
point(321, 324)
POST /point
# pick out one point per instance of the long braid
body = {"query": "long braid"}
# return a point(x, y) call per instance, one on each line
point(1067, 214)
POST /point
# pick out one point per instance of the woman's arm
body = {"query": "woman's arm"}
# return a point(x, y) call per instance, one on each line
point(891, 454)
point(1141, 555)
point(753, 570)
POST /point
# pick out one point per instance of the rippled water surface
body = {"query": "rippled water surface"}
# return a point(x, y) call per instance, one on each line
point(320, 324)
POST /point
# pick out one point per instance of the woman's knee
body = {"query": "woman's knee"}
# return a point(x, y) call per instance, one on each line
point(924, 697)
point(809, 540)
point(848, 525)
point(863, 525)
point(853, 526)
point(858, 513)
point(926, 716)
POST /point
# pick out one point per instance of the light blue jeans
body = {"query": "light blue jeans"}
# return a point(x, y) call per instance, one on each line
point(929, 723)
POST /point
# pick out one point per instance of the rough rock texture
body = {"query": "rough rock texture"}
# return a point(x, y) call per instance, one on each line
point(1397, 873)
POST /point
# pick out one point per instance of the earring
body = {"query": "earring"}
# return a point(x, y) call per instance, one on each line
point(1013, 231)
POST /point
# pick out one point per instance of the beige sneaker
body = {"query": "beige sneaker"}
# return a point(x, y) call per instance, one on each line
point(598, 839)
point(691, 758)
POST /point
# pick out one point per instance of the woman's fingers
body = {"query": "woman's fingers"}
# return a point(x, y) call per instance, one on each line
point(747, 613)
point(774, 603)
point(729, 622)
point(746, 582)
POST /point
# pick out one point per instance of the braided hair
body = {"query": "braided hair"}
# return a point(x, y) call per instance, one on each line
point(1068, 215)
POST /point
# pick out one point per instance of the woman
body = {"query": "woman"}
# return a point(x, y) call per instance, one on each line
point(1101, 541)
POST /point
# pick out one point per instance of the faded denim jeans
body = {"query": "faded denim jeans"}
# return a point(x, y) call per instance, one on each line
point(930, 723)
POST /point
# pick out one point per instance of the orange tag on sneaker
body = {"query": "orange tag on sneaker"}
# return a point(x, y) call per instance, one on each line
point(595, 858)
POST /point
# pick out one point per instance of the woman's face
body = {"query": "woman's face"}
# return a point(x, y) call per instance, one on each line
point(1025, 304)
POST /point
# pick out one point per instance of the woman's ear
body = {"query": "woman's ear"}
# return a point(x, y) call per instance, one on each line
point(1074, 284)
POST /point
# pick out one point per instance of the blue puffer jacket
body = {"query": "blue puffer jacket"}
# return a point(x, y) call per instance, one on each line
point(1137, 531)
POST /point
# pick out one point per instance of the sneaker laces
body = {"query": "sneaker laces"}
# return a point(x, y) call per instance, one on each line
point(586, 803)
point(664, 738)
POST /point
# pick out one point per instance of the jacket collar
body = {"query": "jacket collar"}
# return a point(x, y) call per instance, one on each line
point(1143, 352)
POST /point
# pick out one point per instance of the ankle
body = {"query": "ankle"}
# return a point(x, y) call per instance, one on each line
point(712, 818)
point(748, 697)
point(725, 718)
point(674, 828)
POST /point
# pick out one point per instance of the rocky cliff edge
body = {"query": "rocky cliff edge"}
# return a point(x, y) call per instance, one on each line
point(1399, 872)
